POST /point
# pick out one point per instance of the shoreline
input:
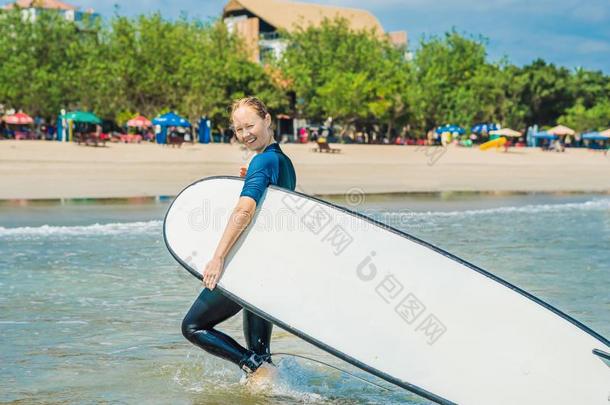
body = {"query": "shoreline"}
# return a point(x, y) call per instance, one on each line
point(47, 170)
point(12, 202)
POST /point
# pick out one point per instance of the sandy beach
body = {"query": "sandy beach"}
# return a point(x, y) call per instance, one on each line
point(48, 170)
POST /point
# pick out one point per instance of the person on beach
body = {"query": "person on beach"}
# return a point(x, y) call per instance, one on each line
point(252, 125)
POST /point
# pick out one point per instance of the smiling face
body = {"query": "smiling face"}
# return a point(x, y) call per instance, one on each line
point(251, 129)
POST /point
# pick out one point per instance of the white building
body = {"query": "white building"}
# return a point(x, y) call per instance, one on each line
point(31, 9)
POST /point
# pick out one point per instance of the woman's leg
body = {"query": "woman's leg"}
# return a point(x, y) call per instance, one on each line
point(257, 332)
point(208, 310)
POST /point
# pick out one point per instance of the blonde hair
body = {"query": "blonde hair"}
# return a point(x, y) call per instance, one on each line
point(253, 102)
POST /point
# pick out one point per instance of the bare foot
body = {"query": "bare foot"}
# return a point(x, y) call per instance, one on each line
point(263, 377)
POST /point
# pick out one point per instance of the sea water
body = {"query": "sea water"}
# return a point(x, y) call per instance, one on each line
point(91, 301)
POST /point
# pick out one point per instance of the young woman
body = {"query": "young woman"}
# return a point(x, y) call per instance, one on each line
point(252, 126)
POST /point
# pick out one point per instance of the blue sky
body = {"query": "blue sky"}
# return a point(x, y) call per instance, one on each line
point(570, 33)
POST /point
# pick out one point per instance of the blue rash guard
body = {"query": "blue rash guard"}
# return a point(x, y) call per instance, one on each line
point(271, 166)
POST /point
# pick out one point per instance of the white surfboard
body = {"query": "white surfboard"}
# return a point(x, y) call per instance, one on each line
point(390, 303)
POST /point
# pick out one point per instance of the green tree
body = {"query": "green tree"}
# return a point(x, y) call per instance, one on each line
point(41, 61)
point(149, 65)
point(351, 76)
point(583, 119)
point(590, 87)
point(546, 92)
point(216, 70)
point(455, 84)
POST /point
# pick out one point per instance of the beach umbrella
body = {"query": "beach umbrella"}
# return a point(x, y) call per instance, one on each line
point(506, 132)
point(451, 129)
point(171, 120)
point(19, 119)
point(483, 127)
point(561, 130)
point(545, 135)
point(83, 116)
point(442, 128)
point(139, 122)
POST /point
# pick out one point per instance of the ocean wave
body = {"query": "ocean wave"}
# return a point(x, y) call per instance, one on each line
point(591, 205)
point(154, 226)
point(118, 228)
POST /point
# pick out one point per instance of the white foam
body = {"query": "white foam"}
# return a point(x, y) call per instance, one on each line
point(119, 228)
point(154, 226)
point(591, 205)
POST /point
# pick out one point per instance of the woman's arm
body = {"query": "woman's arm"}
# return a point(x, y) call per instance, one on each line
point(240, 219)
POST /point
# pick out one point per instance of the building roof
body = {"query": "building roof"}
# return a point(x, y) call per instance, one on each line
point(45, 4)
point(289, 15)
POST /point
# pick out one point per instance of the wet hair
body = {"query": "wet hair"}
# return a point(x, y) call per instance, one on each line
point(253, 102)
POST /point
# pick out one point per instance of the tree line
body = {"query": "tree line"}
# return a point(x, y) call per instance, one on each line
point(150, 65)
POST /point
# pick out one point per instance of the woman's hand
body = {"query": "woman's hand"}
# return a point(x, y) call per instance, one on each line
point(242, 171)
point(212, 272)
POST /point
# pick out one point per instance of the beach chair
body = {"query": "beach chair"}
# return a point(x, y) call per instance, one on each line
point(90, 138)
point(175, 140)
point(78, 138)
point(323, 146)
